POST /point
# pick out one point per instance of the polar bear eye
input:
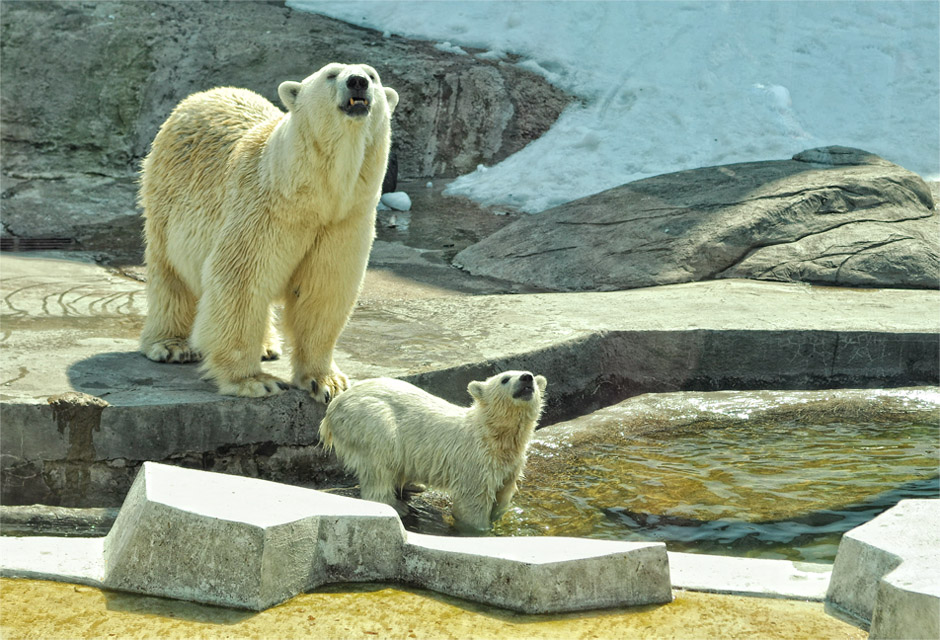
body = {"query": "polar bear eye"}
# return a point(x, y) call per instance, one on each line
point(332, 76)
point(505, 380)
point(372, 75)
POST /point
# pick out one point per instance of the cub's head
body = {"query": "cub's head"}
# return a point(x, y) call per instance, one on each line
point(510, 391)
point(352, 91)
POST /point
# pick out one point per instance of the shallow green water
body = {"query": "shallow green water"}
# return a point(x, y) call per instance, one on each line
point(752, 488)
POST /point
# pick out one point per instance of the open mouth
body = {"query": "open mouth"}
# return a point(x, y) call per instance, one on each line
point(524, 392)
point(356, 106)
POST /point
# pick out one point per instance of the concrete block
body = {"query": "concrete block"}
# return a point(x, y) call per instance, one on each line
point(540, 575)
point(359, 541)
point(886, 572)
point(212, 538)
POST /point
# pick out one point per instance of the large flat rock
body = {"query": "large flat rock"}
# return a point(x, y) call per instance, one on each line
point(73, 326)
point(833, 216)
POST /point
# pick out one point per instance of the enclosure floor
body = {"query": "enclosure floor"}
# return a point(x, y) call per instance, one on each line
point(50, 610)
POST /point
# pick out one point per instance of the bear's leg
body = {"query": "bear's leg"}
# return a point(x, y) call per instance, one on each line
point(319, 301)
point(472, 512)
point(503, 499)
point(377, 485)
point(233, 316)
point(171, 307)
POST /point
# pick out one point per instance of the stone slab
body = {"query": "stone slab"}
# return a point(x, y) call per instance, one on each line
point(247, 543)
point(250, 544)
point(211, 538)
point(750, 576)
point(73, 560)
point(540, 575)
point(886, 572)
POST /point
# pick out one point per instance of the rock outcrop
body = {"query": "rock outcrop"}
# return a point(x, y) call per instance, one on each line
point(86, 86)
point(834, 216)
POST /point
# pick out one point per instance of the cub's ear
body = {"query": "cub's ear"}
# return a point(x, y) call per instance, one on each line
point(391, 96)
point(541, 382)
point(288, 92)
point(475, 389)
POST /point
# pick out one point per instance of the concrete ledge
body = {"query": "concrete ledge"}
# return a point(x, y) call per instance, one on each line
point(886, 572)
point(250, 544)
point(749, 576)
point(540, 575)
point(73, 327)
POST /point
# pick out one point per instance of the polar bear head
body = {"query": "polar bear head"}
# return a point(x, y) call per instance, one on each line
point(509, 390)
point(352, 91)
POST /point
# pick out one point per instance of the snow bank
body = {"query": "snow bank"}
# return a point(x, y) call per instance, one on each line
point(666, 86)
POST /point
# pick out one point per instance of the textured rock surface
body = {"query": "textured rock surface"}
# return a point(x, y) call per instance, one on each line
point(829, 216)
point(74, 130)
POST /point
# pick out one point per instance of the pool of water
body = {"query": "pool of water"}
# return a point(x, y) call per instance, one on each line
point(752, 488)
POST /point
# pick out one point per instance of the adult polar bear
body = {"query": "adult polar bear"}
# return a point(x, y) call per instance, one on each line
point(246, 206)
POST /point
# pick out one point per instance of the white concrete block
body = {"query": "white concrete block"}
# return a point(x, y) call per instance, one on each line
point(359, 541)
point(540, 575)
point(213, 538)
point(243, 542)
point(887, 571)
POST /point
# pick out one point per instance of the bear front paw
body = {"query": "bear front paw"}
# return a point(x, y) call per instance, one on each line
point(324, 388)
point(256, 386)
point(173, 350)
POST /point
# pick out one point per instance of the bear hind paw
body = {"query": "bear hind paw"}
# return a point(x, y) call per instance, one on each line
point(173, 350)
point(256, 386)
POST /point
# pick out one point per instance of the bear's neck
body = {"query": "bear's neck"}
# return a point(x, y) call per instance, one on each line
point(301, 156)
point(508, 427)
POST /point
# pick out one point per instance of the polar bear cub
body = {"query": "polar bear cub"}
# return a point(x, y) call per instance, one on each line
point(247, 206)
point(391, 433)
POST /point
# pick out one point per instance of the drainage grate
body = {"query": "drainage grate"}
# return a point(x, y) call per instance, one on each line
point(36, 244)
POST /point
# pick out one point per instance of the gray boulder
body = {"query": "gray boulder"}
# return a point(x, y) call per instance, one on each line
point(833, 216)
point(86, 86)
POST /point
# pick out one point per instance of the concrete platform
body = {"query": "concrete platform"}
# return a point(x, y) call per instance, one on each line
point(72, 327)
point(251, 544)
point(887, 572)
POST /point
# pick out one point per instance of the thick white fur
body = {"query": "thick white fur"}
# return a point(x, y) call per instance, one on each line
point(391, 433)
point(246, 206)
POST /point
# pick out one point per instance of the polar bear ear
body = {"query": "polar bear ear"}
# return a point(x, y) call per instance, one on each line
point(288, 91)
point(391, 96)
point(541, 383)
point(475, 389)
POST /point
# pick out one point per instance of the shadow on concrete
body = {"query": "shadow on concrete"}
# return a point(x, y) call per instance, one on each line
point(174, 609)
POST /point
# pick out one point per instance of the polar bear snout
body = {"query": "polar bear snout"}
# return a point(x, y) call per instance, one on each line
point(357, 98)
point(523, 389)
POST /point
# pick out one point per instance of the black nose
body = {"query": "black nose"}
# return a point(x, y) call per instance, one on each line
point(526, 377)
point(357, 82)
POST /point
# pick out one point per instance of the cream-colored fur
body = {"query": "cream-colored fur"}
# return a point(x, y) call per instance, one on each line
point(391, 433)
point(246, 206)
